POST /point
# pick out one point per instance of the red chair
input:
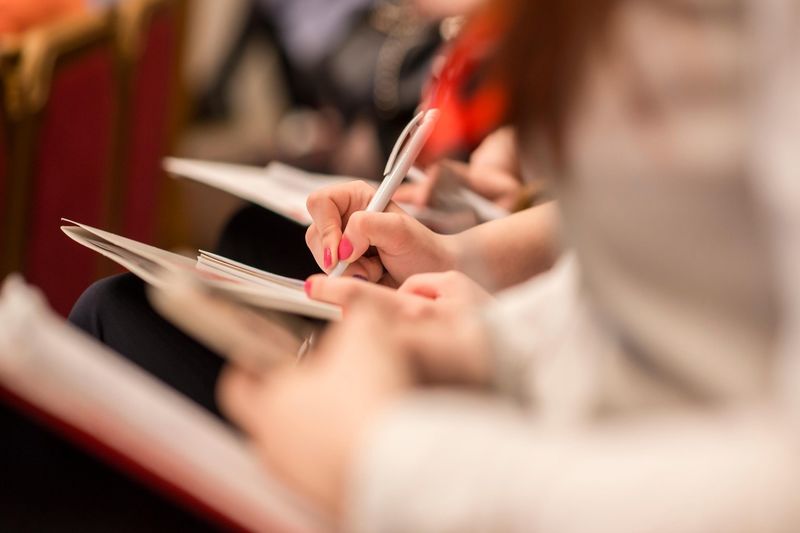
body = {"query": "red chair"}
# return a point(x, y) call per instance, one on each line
point(3, 178)
point(64, 134)
point(149, 32)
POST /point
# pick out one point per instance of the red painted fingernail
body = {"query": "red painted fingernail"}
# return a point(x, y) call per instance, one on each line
point(307, 287)
point(345, 248)
point(327, 260)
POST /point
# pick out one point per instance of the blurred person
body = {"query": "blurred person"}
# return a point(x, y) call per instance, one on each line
point(16, 16)
point(649, 382)
point(354, 65)
point(493, 171)
point(300, 41)
point(116, 312)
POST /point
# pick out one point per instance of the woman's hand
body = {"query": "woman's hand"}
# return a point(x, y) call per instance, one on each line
point(307, 421)
point(403, 246)
point(435, 319)
point(495, 184)
point(450, 287)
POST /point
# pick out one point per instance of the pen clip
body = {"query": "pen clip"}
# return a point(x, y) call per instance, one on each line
point(398, 145)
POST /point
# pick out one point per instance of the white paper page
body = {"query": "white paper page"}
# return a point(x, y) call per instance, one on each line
point(66, 374)
point(279, 188)
point(144, 261)
point(235, 268)
point(284, 189)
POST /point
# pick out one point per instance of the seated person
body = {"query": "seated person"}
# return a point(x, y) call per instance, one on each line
point(493, 171)
point(650, 381)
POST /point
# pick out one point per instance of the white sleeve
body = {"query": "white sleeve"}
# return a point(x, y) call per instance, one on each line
point(526, 321)
point(542, 330)
point(775, 176)
point(461, 464)
point(449, 463)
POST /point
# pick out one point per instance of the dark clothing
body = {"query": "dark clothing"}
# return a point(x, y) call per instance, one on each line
point(50, 485)
point(115, 310)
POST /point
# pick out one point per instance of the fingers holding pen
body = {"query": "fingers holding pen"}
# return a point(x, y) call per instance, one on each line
point(324, 234)
point(345, 291)
point(386, 231)
point(331, 209)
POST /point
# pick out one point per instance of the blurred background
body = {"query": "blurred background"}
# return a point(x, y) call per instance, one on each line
point(95, 93)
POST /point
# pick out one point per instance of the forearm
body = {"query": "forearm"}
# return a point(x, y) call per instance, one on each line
point(506, 252)
point(468, 464)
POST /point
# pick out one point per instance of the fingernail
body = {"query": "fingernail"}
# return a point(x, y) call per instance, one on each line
point(307, 287)
point(345, 248)
point(359, 276)
point(327, 260)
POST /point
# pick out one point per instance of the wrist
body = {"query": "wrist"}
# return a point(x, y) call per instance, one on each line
point(475, 358)
point(452, 255)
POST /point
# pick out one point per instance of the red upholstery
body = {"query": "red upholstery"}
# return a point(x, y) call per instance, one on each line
point(149, 124)
point(72, 165)
point(3, 179)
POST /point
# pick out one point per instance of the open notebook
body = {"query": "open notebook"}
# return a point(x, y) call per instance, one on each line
point(284, 189)
point(113, 408)
point(236, 281)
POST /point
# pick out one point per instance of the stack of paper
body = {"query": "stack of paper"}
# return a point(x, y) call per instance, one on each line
point(102, 399)
point(284, 190)
point(237, 281)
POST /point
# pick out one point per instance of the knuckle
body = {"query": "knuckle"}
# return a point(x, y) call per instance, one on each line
point(363, 186)
point(451, 277)
point(402, 230)
point(413, 280)
point(418, 311)
point(358, 221)
point(314, 200)
point(350, 292)
point(329, 230)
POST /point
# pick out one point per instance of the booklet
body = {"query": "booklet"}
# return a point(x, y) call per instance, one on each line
point(280, 188)
point(114, 409)
point(237, 282)
point(253, 340)
point(284, 189)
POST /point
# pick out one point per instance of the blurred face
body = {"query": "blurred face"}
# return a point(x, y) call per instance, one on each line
point(448, 8)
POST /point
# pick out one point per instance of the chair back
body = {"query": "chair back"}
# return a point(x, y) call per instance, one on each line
point(3, 177)
point(63, 106)
point(149, 32)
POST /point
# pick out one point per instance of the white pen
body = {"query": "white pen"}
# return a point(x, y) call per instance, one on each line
point(400, 162)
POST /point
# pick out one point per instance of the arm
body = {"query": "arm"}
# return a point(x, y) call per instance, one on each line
point(733, 470)
point(420, 466)
point(508, 251)
point(498, 254)
point(383, 457)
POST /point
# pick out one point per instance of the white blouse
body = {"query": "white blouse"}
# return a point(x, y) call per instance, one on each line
point(651, 381)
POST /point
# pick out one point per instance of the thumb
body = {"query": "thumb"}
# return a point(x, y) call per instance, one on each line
point(343, 291)
point(427, 285)
point(385, 231)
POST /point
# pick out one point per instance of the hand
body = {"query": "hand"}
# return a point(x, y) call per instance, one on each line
point(403, 246)
point(435, 319)
point(495, 184)
point(450, 287)
point(308, 420)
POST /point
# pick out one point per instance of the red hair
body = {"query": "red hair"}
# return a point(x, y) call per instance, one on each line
point(541, 59)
